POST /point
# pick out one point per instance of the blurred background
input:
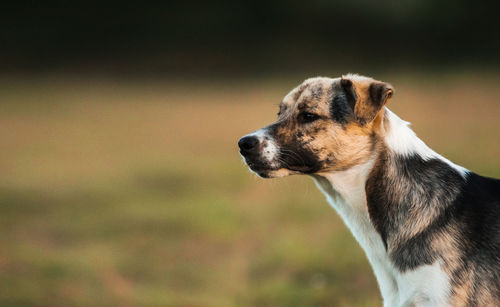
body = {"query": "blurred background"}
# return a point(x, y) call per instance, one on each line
point(121, 181)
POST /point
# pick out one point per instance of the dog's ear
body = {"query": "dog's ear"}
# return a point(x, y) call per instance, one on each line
point(366, 97)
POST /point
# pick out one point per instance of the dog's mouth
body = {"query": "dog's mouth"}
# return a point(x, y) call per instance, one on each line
point(262, 169)
point(278, 166)
point(305, 169)
point(266, 170)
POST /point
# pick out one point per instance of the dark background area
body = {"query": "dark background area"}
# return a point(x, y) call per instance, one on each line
point(233, 37)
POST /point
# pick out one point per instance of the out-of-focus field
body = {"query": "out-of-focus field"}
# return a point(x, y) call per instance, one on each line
point(133, 193)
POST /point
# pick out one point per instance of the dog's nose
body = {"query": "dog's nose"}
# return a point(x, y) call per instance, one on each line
point(248, 143)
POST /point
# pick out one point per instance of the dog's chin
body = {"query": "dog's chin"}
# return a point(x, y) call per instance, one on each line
point(265, 171)
point(273, 173)
point(262, 171)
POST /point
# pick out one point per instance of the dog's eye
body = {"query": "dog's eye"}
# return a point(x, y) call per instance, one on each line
point(306, 117)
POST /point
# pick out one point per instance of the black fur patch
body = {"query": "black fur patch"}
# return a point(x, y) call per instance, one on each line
point(293, 154)
point(344, 99)
point(340, 110)
point(349, 91)
point(478, 211)
point(301, 160)
point(378, 93)
point(399, 187)
point(415, 185)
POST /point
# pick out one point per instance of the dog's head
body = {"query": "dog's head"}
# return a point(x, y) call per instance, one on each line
point(323, 125)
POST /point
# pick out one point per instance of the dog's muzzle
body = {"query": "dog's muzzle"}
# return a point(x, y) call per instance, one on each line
point(255, 149)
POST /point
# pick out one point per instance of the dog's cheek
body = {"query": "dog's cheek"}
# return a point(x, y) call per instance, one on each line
point(313, 161)
point(296, 146)
point(301, 156)
point(309, 142)
point(316, 144)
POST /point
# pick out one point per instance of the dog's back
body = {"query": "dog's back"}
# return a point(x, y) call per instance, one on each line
point(477, 211)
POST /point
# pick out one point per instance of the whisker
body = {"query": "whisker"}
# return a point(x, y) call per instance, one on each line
point(295, 155)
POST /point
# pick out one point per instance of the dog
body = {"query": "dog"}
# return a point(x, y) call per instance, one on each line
point(430, 228)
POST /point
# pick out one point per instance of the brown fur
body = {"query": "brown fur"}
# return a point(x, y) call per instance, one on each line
point(332, 145)
point(336, 146)
point(408, 198)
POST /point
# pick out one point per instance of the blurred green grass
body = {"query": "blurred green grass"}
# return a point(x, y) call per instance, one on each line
point(131, 193)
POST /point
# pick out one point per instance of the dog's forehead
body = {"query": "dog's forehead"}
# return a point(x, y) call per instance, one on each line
point(313, 89)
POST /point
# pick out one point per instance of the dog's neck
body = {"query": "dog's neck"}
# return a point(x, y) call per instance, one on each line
point(347, 190)
point(402, 141)
point(382, 199)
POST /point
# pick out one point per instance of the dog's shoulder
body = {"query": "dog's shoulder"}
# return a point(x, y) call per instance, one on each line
point(478, 206)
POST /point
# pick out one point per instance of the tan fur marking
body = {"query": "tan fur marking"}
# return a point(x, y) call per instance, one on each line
point(365, 108)
point(337, 147)
point(337, 143)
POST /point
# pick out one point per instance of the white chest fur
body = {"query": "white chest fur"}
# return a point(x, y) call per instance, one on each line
point(345, 193)
point(424, 286)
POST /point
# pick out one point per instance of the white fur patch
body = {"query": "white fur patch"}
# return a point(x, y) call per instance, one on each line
point(427, 285)
point(402, 140)
point(345, 191)
point(270, 150)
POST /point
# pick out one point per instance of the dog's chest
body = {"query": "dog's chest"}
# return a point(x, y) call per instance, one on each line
point(363, 231)
point(426, 285)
